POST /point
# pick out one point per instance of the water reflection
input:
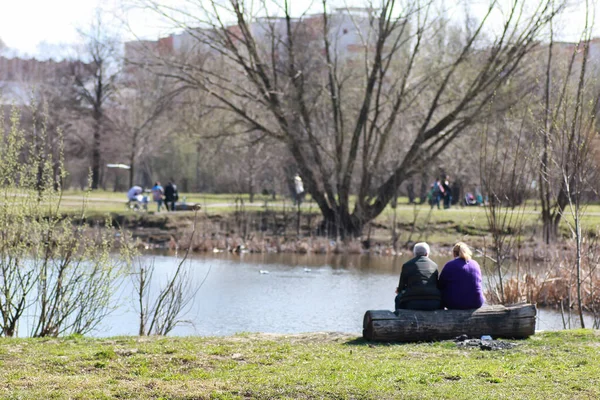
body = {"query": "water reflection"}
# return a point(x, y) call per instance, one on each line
point(362, 262)
point(293, 294)
point(549, 319)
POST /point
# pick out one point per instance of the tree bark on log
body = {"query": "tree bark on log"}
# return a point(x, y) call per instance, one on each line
point(516, 322)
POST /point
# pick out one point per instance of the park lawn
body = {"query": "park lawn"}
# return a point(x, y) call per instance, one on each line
point(209, 198)
point(415, 222)
point(556, 365)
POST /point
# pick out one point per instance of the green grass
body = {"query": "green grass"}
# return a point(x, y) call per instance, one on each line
point(442, 227)
point(115, 201)
point(557, 365)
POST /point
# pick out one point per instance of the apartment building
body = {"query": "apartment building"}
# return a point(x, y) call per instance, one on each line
point(21, 77)
point(349, 31)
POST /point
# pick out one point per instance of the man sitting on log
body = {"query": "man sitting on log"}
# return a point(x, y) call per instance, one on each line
point(418, 289)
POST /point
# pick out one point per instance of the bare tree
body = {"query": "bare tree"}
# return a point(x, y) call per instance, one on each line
point(341, 107)
point(75, 286)
point(96, 81)
point(506, 173)
point(141, 103)
point(563, 109)
point(567, 168)
point(160, 313)
point(576, 162)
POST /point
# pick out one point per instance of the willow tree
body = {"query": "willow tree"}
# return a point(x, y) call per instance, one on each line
point(362, 98)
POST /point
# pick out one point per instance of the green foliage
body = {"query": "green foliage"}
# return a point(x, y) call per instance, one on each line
point(106, 354)
point(57, 273)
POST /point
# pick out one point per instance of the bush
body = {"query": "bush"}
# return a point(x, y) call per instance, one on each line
point(56, 277)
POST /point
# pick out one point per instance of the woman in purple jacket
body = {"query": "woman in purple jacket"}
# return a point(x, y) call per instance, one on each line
point(460, 281)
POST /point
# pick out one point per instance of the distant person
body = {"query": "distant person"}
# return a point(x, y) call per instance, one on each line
point(447, 192)
point(479, 198)
point(460, 281)
point(171, 196)
point(298, 189)
point(417, 289)
point(410, 190)
point(470, 199)
point(136, 200)
point(135, 193)
point(436, 193)
point(158, 195)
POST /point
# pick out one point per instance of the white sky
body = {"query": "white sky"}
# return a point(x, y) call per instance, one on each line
point(40, 27)
point(26, 23)
point(31, 27)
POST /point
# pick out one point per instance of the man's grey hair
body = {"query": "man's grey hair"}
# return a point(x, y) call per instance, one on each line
point(421, 249)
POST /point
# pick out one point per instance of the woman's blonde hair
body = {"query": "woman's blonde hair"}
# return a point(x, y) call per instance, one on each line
point(462, 250)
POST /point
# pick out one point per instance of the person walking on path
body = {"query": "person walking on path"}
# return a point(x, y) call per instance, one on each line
point(158, 195)
point(171, 196)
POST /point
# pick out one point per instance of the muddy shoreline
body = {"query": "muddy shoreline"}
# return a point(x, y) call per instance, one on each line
point(272, 232)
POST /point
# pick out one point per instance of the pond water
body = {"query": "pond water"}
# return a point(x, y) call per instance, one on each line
point(281, 293)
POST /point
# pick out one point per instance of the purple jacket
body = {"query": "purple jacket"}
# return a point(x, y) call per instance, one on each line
point(460, 284)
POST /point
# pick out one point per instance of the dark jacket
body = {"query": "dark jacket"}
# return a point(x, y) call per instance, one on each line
point(418, 280)
point(171, 192)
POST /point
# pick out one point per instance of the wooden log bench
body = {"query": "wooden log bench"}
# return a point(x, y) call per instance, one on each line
point(514, 322)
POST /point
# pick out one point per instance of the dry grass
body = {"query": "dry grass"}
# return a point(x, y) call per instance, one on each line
point(554, 283)
point(554, 288)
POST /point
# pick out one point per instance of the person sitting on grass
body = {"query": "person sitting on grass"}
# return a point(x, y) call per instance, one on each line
point(460, 281)
point(417, 289)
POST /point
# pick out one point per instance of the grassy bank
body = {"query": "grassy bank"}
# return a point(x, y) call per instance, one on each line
point(224, 214)
point(558, 365)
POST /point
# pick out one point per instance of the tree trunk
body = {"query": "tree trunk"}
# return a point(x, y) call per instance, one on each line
point(96, 152)
point(340, 225)
point(198, 184)
point(550, 226)
point(131, 174)
point(578, 266)
point(251, 188)
point(132, 165)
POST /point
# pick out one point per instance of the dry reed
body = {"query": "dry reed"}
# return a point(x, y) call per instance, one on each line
point(555, 288)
